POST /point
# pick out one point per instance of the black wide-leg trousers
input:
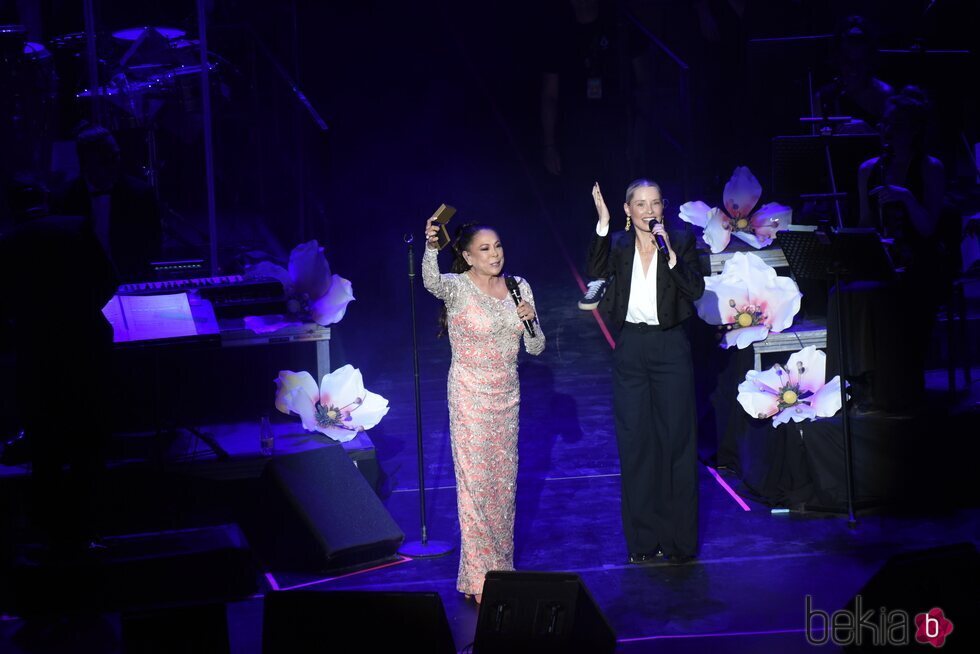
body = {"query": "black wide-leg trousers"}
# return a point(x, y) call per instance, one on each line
point(656, 430)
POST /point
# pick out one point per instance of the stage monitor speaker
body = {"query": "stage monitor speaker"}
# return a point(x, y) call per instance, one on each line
point(202, 564)
point(540, 612)
point(296, 622)
point(317, 512)
point(945, 577)
point(199, 629)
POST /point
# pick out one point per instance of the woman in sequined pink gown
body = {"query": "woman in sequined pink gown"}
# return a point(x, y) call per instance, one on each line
point(485, 333)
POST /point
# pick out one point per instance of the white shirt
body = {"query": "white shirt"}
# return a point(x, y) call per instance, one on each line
point(642, 307)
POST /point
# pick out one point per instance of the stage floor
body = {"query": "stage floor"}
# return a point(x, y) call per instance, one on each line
point(744, 593)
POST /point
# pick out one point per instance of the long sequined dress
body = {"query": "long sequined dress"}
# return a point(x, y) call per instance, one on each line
point(484, 401)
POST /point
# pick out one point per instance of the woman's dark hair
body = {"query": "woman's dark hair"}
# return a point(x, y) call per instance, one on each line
point(913, 103)
point(461, 241)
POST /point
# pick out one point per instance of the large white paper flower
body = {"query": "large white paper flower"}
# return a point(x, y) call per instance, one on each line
point(311, 291)
point(795, 392)
point(742, 193)
point(749, 300)
point(339, 408)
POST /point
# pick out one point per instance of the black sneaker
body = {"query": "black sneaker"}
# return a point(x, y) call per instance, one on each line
point(593, 293)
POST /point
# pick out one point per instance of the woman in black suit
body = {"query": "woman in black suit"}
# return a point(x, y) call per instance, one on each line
point(651, 295)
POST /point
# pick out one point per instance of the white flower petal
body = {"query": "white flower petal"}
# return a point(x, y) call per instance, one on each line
point(714, 305)
point(336, 433)
point(342, 386)
point(752, 239)
point(371, 411)
point(814, 365)
point(752, 270)
point(309, 270)
point(299, 402)
point(763, 379)
point(716, 233)
point(748, 335)
point(289, 381)
point(742, 192)
point(826, 400)
point(756, 403)
point(770, 218)
point(781, 302)
point(797, 412)
point(267, 324)
point(695, 213)
point(331, 308)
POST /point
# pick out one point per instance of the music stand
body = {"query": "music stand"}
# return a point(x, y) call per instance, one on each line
point(850, 253)
point(805, 166)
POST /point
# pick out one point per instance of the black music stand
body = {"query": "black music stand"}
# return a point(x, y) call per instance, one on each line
point(820, 167)
point(846, 253)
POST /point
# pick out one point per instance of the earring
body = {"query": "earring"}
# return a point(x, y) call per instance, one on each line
point(627, 222)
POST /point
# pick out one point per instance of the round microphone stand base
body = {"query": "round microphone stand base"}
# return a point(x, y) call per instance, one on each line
point(418, 549)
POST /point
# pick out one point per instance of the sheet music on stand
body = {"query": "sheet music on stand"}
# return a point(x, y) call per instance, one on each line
point(853, 253)
point(158, 319)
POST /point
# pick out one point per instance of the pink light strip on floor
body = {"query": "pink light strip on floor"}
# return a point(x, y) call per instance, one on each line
point(602, 325)
point(724, 484)
point(401, 559)
point(723, 634)
point(272, 581)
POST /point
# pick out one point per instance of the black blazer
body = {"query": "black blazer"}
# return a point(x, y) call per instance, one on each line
point(611, 256)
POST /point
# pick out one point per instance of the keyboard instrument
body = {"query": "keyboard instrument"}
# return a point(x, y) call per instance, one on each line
point(232, 296)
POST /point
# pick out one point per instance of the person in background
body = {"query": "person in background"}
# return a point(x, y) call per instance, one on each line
point(121, 208)
point(901, 194)
point(592, 69)
point(54, 279)
point(855, 91)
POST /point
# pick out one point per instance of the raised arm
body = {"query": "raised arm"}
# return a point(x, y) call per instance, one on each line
point(442, 286)
point(598, 266)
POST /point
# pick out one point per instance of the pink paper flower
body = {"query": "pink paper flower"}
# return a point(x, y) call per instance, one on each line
point(312, 292)
point(742, 193)
point(339, 408)
point(749, 300)
point(795, 392)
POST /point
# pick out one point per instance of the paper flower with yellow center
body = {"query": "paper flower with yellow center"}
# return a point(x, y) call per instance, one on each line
point(312, 292)
point(339, 408)
point(742, 193)
point(795, 392)
point(748, 300)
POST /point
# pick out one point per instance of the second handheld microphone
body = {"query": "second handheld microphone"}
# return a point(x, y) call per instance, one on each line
point(515, 293)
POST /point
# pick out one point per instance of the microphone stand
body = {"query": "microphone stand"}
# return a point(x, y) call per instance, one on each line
point(827, 132)
point(884, 160)
point(423, 548)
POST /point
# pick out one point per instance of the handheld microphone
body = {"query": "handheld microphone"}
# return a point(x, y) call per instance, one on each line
point(515, 293)
point(662, 246)
point(659, 240)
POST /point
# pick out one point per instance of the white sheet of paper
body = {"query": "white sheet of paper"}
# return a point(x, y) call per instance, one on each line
point(150, 317)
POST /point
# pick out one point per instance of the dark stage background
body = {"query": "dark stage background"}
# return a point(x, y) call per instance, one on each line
point(435, 102)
